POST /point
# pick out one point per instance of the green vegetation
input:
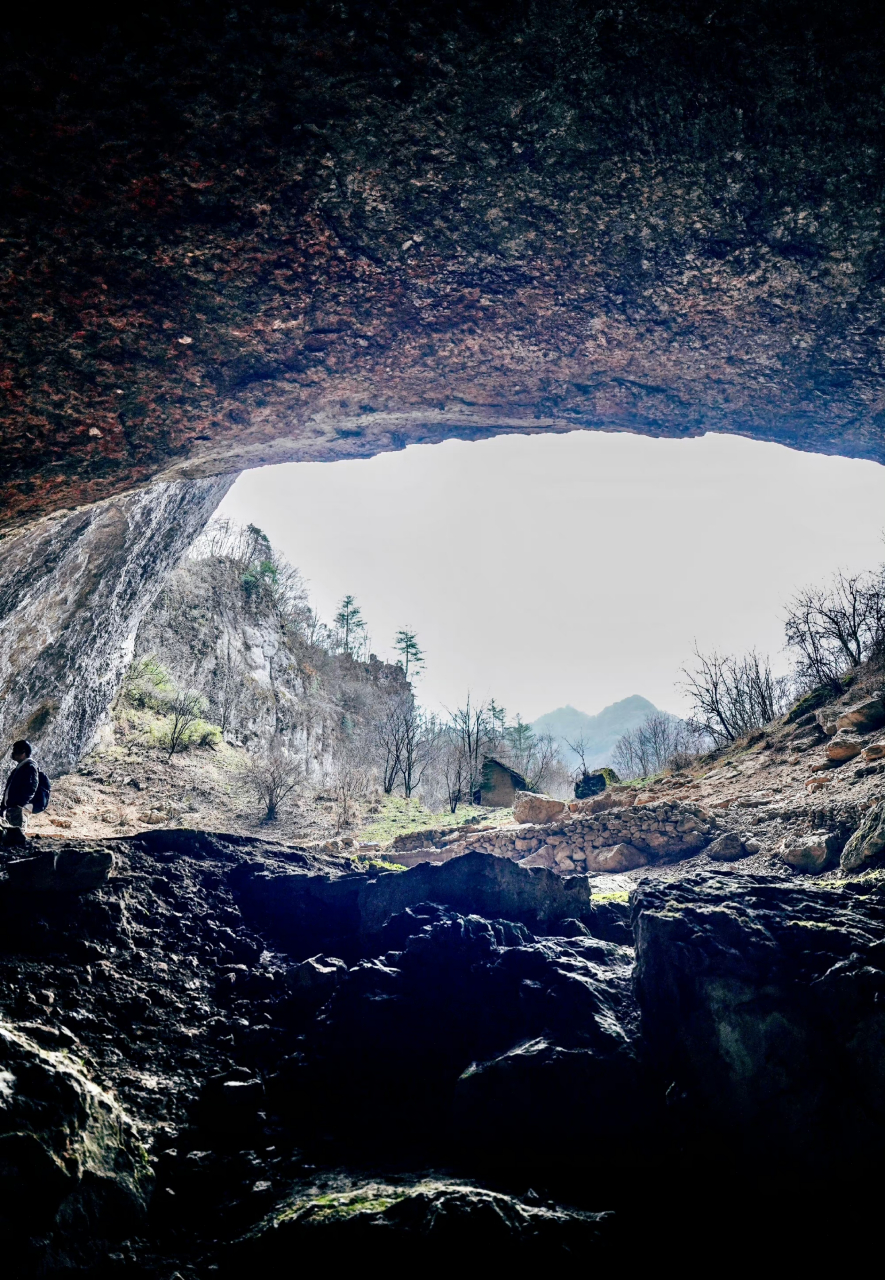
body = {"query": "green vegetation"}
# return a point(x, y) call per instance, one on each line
point(347, 1204)
point(397, 817)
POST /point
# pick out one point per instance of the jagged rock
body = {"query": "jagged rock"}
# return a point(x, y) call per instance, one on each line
point(314, 980)
point(812, 852)
point(864, 716)
point(453, 991)
point(761, 1011)
point(844, 745)
point(69, 1160)
point(729, 847)
point(378, 1224)
point(590, 784)
point(342, 915)
point(542, 857)
point(875, 751)
point(867, 845)
point(541, 1103)
point(617, 857)
point(67, 870)
point(531, 807)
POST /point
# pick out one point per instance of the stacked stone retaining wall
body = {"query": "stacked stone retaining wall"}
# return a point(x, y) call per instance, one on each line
point(613, 840)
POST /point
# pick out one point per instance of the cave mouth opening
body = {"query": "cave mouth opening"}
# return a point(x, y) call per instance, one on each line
point(571, 568)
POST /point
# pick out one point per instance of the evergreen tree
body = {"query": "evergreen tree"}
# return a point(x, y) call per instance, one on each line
point(410, 652)
point(350, 623)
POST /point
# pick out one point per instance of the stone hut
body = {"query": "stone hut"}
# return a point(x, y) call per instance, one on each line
point(499, 784)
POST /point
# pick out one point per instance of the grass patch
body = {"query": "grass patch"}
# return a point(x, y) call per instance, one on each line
point(620, 895)
point(398, 817)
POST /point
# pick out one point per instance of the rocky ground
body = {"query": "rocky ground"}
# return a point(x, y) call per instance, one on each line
point(218, 1053)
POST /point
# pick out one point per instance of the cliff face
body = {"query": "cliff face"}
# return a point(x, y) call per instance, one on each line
point(219, 632)
point(316, 231)
point(73, 590)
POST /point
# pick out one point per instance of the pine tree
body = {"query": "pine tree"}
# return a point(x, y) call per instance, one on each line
point(350, 623)
point(410, 652)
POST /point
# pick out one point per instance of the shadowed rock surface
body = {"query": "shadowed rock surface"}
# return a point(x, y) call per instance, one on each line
point(761, 1007)
point(460, 1074)
point(247, 234)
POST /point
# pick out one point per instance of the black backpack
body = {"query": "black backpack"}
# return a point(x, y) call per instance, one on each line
point(41, 795)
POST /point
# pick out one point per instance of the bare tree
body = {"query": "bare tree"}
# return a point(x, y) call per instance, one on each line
point(533, 756)
point(272, 774)
point(230, 673)
point(835, 628)
point(455, 769)
point(474, 728)
point(420, 747)
point(661, 741)
point(183, 712)
point(351, 779)
point(389, 736)
point(732, 696)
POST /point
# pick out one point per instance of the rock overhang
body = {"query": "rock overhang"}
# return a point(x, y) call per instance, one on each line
point(311, 232)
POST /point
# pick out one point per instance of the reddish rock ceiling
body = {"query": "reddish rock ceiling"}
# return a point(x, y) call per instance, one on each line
point(234, 234)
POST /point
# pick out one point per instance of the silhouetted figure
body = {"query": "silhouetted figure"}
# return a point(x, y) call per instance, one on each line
point(20, 790)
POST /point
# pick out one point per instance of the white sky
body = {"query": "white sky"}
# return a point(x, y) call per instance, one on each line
point(579, 568)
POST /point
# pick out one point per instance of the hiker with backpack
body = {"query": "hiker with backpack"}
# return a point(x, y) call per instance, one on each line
point(26, 785)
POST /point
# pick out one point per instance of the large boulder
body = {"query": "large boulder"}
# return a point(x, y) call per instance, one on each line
point(415, 1222)
point(843, 745)
point(617, 857)
point(528, 806)
point(344, 915)
point(867, 846)
point(865, 716)
point(811, 852)
point(762, 1017)
point(69, 1159)
point(731, 847)
point(386, 1052)
point(77, 869)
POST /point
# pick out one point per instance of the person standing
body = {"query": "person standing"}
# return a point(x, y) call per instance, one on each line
point(20, 790)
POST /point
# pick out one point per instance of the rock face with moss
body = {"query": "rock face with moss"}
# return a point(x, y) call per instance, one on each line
point(317, 231)
point(68, 1154)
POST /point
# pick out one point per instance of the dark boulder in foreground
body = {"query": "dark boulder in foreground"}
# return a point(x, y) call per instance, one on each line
point(77, 869)
point(345, 915)
point(404, 1051)
point(72, 1171)
point(374, 1222)
point(763, 1014)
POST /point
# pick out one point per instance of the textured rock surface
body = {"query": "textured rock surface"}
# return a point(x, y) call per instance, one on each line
point(866, 846)
point(531, 807)
point(761, 1010)
point(243, 235)
point(409, 1221)
point(68, 1154)
point(662, 831)
point(65, 870)
point(307, 913)
point(72, 591)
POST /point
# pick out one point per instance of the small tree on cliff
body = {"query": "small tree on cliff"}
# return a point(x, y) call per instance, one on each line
point(410, 652)
point(350, 623)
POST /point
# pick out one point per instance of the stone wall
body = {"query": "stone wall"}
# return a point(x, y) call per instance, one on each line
point(613, 839)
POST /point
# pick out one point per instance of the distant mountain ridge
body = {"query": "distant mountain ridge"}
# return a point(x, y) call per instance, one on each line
point(600, 732)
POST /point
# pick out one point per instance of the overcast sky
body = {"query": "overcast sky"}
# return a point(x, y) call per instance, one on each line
point(579, 568)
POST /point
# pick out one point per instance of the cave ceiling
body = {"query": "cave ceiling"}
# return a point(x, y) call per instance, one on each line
point(234, 235)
